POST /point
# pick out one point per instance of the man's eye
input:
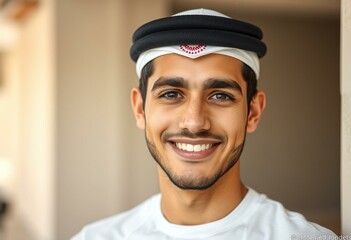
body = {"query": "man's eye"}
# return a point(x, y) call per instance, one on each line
point(221, 97)
point(171, 95)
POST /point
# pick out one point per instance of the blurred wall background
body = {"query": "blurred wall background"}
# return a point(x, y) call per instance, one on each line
point(67, 135)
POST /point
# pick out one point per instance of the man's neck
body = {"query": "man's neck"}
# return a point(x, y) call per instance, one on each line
point(193, 207)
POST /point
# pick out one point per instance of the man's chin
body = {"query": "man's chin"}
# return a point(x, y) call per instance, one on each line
point(193, 183)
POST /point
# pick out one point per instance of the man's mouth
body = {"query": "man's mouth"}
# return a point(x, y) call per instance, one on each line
point(193, 148)
point(194, 151)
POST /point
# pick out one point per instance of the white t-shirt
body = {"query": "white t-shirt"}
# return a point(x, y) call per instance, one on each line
point(256, 217)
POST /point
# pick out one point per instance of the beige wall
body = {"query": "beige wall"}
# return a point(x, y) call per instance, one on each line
point(29, 85)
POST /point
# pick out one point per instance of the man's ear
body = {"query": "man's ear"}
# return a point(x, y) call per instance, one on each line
point(257, 106)
point(137, 105)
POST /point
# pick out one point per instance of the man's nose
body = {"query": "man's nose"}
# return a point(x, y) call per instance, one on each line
point(195, 116)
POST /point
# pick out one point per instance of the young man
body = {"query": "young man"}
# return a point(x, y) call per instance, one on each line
point(196, 101)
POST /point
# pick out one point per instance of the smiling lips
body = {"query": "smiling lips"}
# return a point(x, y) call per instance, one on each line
point(194, 152)
point(193, 148)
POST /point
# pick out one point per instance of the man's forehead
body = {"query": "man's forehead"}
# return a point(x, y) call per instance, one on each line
point(197, 71)
point(205, 65)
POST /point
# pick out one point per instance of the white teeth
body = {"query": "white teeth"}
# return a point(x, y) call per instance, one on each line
point(197, 148)
point(193, 148)
point(190, 148)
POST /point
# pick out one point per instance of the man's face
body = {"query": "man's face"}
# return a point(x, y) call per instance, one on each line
point(195, 117)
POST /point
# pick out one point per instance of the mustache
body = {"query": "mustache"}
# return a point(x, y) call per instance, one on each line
point(188, 134)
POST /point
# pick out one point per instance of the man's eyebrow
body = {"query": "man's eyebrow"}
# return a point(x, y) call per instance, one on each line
point(222, 83)
point(170, 81)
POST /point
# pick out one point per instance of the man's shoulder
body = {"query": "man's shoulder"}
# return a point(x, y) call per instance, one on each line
point(271, 215)
point(120, 225)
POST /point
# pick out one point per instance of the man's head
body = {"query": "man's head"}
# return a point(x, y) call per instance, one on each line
point(196, 110)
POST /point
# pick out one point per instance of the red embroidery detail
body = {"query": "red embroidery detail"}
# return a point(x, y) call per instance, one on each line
point(192, 49)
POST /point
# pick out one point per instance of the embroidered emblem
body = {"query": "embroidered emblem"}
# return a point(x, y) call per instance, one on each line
point(192, 49)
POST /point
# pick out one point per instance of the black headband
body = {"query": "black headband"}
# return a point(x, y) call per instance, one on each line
point(197, 29)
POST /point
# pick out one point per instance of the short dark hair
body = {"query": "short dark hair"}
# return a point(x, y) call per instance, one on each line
point(248, 75)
